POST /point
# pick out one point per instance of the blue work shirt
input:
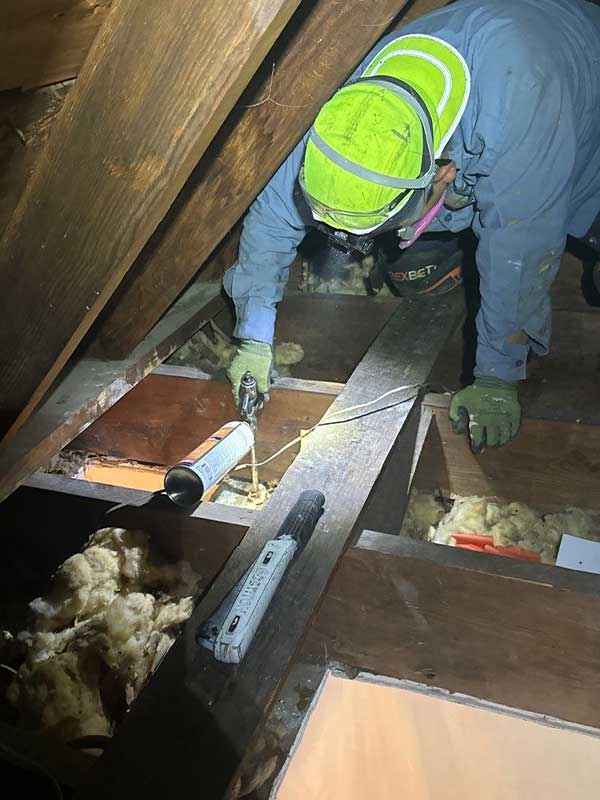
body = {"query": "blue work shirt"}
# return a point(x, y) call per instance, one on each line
point(528, 154)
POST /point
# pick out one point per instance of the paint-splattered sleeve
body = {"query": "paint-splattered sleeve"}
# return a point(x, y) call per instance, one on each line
point(273, 228)
point(524, 181)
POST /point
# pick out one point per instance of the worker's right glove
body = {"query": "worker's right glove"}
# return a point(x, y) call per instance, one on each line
point(254, 357)
point(490, 410)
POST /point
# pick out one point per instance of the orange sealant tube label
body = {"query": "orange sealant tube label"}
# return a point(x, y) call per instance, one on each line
point(208, 444)
point(218, 454)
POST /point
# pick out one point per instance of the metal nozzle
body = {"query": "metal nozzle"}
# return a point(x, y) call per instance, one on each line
point(248, 399)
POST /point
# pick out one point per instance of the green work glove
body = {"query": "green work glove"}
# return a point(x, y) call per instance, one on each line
point(254, 357)
point(490, 410)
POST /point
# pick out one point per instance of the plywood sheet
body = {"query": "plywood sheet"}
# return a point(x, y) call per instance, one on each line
point(165, 417)
point(370, 740)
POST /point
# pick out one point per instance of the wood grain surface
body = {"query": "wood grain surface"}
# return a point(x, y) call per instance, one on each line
point(214, 709)
point(334, 331)
point(413, 610)
point(26, 120)
point(369, 739)
point(322, 45)
point(549, 465)
point(118, 155)
point(165, 417)
point(45, 41)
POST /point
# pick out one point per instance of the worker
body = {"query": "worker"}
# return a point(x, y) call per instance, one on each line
point(482, 115)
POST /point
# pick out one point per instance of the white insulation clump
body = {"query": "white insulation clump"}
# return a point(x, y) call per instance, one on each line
point(213, 352)
point(510, 524)
point(111, 614)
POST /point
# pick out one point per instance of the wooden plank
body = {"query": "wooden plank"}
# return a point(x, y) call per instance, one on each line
point(549, 465)
point(565, 384)
point(213, 709)
point(293, 384)
point(46, 41)
point(523, 635)
point(567, 292)
point(126, 473)
point(562, 385)
point(379, 738)
point(136, 499)
point(106, 180)
point(320, 49)
point(386, 505)
point(93, 386)
point(348, 325)
point(165, 417)
point(26, 119)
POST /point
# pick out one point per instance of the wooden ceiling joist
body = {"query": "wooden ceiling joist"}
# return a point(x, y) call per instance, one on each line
point(466, 622)
point(321, 49)
point(155, 88)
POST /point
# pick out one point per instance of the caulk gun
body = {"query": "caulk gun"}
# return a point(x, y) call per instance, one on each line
point(188, 481)
point(231, 628)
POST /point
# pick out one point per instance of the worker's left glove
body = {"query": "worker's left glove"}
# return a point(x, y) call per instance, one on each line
point(251, 356)
point(490, 410)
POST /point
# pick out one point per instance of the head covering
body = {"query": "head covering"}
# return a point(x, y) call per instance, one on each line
point(374, 144)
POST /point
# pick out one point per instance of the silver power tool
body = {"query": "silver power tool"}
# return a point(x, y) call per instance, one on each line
point(230, 629)
point(250, 400)
point(249, 404)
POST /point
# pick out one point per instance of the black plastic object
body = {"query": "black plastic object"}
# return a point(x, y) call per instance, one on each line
point(431, 266)
point(354, 243)
point(302, 519)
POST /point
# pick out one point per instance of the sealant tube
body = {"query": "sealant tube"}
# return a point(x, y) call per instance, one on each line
point(200, 470)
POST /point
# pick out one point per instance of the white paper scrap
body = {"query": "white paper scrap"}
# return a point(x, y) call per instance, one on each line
point(580, 554)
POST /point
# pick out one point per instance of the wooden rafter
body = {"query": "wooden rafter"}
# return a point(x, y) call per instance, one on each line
point(320, 50)
point(46, 41)
point(118, 155)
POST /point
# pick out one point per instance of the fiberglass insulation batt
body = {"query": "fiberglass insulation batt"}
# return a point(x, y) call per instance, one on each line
point(510, 524)
point(111, 614)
